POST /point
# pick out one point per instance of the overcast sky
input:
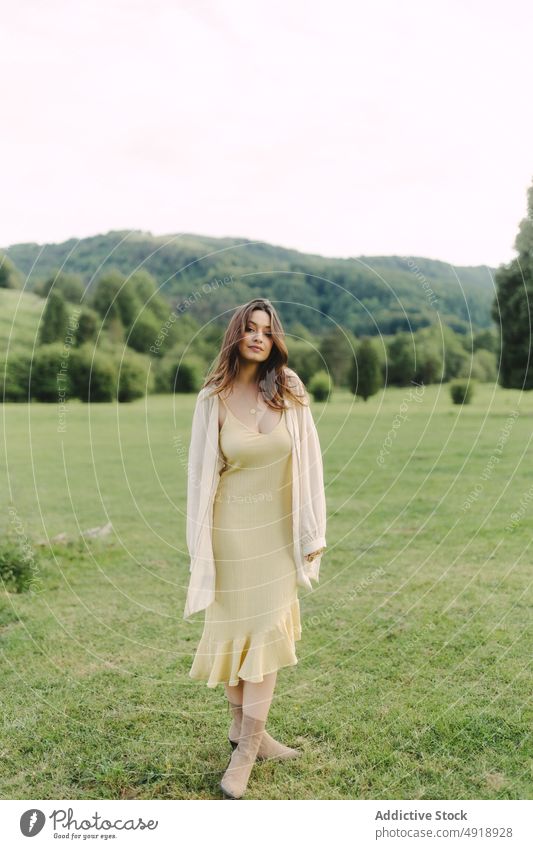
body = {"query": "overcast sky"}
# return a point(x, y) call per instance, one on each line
point(340, 128)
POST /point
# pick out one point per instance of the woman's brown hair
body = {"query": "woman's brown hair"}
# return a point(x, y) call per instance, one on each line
point(275, 383)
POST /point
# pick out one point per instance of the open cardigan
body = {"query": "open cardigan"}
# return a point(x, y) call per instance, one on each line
point(203, 473)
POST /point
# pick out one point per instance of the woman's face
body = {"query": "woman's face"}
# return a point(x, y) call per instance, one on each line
point(256, 343)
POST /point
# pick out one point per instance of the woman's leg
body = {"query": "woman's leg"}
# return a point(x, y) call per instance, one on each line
point(256, 702)
point(258, 697)
point(234, 697)
point(255, 707)
point(234, 694)
point(253, 699)
point(269, 748)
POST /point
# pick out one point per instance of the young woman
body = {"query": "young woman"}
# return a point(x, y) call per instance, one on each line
point(256, 525)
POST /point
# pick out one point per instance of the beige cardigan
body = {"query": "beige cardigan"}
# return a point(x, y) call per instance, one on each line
point(204, 466)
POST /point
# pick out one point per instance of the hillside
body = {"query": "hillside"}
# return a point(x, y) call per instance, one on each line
point(19, 320)
point(365, 294)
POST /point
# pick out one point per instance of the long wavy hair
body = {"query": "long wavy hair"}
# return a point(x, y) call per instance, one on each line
point(275, 384)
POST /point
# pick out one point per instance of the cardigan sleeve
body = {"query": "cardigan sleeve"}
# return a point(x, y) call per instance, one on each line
point(194, 471)
point(313, 508)
point(312, 493)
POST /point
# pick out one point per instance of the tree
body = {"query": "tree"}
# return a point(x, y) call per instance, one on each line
point(54, 321)
point(50, 376)
point(304, 358)
point(337, 351)
point(187, 375)
point(93, 376)
point(486, 340)
point(10, 277)
point(320, 386)
point(88, 323)
point(134, 377)
point(144, 333)
point(400, 360)
point(366, 373)
point(69, 285)
point(14, 377)
point(430, 357)
point(512, 309)
point(440, 354)
point(114, 296)
point(146, 290)
point(482, 367)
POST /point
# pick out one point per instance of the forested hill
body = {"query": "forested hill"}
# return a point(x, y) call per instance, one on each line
point(365, 294)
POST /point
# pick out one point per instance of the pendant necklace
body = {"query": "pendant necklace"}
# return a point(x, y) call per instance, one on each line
point(253, 410)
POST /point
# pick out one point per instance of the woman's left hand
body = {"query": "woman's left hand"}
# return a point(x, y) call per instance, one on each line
point(314, 554)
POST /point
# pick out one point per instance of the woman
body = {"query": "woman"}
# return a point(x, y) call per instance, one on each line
point(256, 523)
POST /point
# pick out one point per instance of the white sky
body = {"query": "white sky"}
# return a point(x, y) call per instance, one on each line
point(340, 128)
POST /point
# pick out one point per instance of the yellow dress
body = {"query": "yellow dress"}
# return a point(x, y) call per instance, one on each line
point(251, 627)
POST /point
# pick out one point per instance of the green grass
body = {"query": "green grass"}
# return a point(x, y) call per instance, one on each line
point(416, 685)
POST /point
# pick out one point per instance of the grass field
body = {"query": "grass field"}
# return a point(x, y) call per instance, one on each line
point(414, 677)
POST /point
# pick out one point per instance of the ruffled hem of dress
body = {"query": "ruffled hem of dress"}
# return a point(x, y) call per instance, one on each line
point(250, 657)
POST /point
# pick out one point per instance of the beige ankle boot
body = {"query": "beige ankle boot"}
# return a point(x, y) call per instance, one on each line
point(235, 779)
point(269, 748)
point(235, 728)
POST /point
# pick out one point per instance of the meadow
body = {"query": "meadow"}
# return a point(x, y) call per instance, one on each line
point(414, 678)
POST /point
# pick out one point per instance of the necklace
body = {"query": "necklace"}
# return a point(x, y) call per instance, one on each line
point(254, 410)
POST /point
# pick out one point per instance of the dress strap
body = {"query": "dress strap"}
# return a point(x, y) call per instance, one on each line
point(229, 415)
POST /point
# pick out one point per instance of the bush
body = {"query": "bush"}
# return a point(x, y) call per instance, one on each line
point(17, 566)
point(10, 276)
point(304, 359)
point(483, 366)
point(365, 378)
point(320, 386)
point(462, 391)
point(487, 340)
point(134, 378)
point(113, 296)
point(50, 373)
point(93, 376)
point(67, 284)
point(338, 353)
point(162, 376)
point(187, 375)
point(53, 326)
point(429, 361)
point(88, 326)
point(144, 333)
point(14, 377)
point(148, 293)
point(400, 366)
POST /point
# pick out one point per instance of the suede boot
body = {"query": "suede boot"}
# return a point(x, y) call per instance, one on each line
point(269, 748)
point(235, 779)
point(235, 728)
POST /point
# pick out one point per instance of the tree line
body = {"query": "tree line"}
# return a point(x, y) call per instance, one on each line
point(132, 340)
